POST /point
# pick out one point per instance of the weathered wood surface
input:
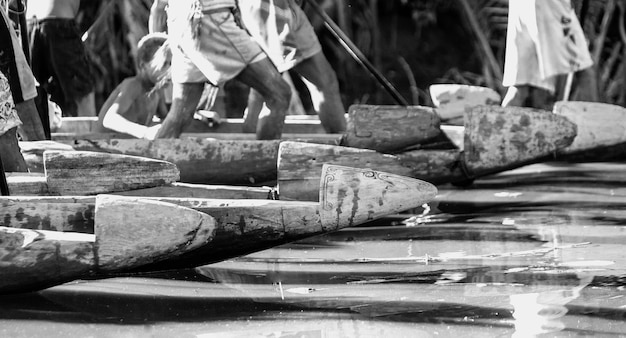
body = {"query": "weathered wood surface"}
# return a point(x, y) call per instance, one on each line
point(90, 173)
point(33, 152)
point(128, 232)
point(389, 128)
point(351, 197)
point(451, 100)
point(497, 139)
point(200, 160)
point(601, 130)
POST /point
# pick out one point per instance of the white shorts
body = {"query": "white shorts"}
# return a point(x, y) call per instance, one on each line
point(216, 49)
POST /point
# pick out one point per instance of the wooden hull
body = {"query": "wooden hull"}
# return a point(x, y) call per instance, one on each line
point(126, 233)
point(90, 173)
point(348, 197)
point(452, 100)
point(496, 139)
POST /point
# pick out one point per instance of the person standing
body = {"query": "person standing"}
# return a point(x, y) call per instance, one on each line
point(545, 42)
point(283, 30)
point(14, 66)
point(12, 159)
point(211, 45)
point(59, 59)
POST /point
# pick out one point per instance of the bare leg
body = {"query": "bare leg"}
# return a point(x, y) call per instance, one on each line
point(32, 127)
point(263, 77)
point(251, 114)
point(185, 98)
point(12, 158)
point(322, 83)
point(86, 106)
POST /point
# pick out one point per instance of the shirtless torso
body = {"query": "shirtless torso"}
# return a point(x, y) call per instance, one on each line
point(53, 9)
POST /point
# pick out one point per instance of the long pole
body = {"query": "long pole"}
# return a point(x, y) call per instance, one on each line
point(354, 51)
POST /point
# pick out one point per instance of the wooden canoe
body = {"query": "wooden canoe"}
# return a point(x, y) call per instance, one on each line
point(126, 233)
point(348, 197)
point(382, 128)
point(496, 139)
point(90, 173)
point(601, 132)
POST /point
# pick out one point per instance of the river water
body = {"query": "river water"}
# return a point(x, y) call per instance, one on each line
point(538, 251)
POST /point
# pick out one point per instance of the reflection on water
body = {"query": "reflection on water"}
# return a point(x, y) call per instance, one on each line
point(534, 252)
point(542, 312)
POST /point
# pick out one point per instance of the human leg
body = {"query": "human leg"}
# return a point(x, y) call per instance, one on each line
point(263, 77)
point(185, 98)
point(515, 96)
point(322, 83)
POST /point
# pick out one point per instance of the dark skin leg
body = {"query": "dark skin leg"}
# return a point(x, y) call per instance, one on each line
point(263, 77)
point(320, 79)
point(12, 158)
point(184, 102)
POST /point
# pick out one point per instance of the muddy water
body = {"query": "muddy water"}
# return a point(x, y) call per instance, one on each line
point(538, 251)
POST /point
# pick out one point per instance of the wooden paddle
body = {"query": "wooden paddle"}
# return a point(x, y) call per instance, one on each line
point(349, 196)
point(127, 233)
point(496, 139)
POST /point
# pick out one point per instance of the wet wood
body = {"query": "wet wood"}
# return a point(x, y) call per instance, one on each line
point(128, 232)
point(389, 128)
point(451, 100)
point(351, 197)
point(88, 173)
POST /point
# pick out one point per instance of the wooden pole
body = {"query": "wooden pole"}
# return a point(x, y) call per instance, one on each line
point(354, 51)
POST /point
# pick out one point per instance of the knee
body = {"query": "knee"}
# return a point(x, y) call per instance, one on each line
point(280, 97)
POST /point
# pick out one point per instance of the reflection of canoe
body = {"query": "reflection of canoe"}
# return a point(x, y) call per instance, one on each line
point(126, 233)
point(496, 139)
point(348, 197)
point(89, 173)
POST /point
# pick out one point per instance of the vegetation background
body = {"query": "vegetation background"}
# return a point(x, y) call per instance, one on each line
point(413, 43)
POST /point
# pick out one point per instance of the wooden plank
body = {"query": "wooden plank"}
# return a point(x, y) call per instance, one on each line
point(128, 232)
point(294, 124)
point(85, 173)
point(451, 100)
point(389, 128)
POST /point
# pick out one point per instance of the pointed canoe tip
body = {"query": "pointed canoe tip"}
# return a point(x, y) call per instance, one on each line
point(351, 196)
point(132, 231)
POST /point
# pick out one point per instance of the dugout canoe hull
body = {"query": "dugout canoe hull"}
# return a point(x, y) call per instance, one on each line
point(349, 197)
point(126, 233)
